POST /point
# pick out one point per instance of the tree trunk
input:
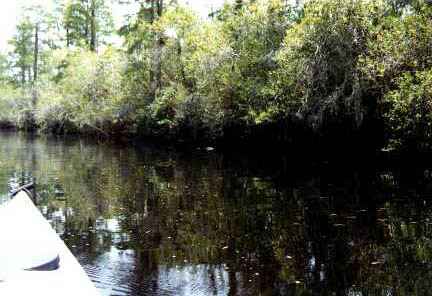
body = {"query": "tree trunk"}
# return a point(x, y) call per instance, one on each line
point(151, 69)
point(36, 54)
point(238, 4)
point(159, 8)
point(68, 40)
point(23, 75)
point(88, 21)
point(93, 45)
point(35, 74)
point(156, 68)
point(158, 63)
point(29, 74)
point(160, 44)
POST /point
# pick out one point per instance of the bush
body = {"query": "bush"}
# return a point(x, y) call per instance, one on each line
point(89, 98)
point(318, 63)
point(409, 117)
point(15, 106)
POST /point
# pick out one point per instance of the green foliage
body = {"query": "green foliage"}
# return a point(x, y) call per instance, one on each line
point(87, 22)
point(75, 22)
point(396, 69)
point(22, 54)
point(318, 72)
point(398, 7)
point(89, 97)
point(397, 46)
point(254, 33)
point(410, 113)
point(327, 66)
point(14, 105)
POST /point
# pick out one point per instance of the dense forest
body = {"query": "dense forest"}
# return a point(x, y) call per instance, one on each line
point(269, 71)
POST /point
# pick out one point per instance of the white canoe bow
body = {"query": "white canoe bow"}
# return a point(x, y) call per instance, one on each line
point(33, 258)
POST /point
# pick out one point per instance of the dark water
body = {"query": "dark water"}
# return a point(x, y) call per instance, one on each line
point(146, 221)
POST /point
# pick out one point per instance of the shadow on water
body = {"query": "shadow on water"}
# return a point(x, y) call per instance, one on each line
point(146, 221)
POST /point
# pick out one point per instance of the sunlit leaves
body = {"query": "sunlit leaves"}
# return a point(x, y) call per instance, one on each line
point(318, 61)
point(410, 112)
point(91, 97)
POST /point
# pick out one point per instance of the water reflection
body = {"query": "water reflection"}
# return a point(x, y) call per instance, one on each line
point(146, 221)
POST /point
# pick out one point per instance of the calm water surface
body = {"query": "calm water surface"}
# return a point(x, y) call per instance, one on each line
point(146, 221)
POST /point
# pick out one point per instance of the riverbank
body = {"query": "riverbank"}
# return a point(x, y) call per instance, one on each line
point(365, 86)
point(278, 138)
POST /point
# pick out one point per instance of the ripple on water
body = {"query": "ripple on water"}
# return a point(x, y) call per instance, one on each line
point(115, 273)
point(145, 221)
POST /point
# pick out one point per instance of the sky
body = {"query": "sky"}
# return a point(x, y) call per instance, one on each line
point(11, 10)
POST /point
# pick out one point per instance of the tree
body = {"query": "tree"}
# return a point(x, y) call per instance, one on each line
point(238, 4)
point(4, 69)
point(145, 43)
point(255, 33)
point(75, 24)
point(399, 6)
point(87, 23)
point(319, 75)
point(35, 64)
point(22, 54)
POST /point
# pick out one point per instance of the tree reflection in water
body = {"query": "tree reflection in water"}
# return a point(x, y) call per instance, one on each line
point(146, 221)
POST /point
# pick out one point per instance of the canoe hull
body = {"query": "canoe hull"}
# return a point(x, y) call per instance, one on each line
point(68, 279)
